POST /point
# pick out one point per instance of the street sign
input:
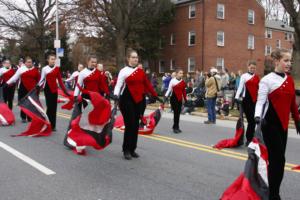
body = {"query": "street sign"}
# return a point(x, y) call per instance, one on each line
point(57, 44)
point(60, 52)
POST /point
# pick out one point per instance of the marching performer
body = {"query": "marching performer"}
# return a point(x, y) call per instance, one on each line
point(49, 76)
point(28, 77)
point(247, 95)
point(130, 89)
point(177, 89)
point(276, 100)
point(6, 72)
point(90, 78)
point(74, 77)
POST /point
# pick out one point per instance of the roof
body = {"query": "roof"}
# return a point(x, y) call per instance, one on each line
point(181, 1)
point(278, 25)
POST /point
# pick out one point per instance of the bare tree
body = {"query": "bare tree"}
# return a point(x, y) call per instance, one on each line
point(28, 21)
point(292, 8)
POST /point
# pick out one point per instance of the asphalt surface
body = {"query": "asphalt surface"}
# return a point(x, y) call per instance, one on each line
point(171, 167)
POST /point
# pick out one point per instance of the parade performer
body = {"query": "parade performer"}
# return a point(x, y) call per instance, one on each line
point(247, 95)
point(178, 94)
point(49, 77)
point(74, 77)
point(6, 72)
point(28, 77)
point(276, 100)
point(131, 87)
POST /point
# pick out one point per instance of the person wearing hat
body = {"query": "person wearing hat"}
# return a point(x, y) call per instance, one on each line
point(212, 85)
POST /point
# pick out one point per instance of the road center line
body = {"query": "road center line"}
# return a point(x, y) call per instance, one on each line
point(27, 160)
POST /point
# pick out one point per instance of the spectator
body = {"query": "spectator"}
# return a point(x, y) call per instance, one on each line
point(154, 81)
point(165, 82)
point(236, 86)
point(212, 85)
point(224, 80)
point(173, 75)
point(232, 80)
point(199, 80)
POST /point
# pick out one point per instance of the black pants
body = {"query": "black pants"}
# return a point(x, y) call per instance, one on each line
point(51, 102)
point(176, 107)
point(249, 110)
point(22, 92)
point(131, 112)
point(8, 95)
point(275, 138)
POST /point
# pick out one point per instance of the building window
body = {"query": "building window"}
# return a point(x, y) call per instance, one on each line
point(172, 39)
point(161, 66)
point(268, 33)
point(172, 64)
point(251, 16)
point(220, 63)
point(192, 11)
point(278, 44)
point(288, 36)
point(251, 42)
point(220, 38)
point(268, 50)
point(191, 64)
point(192, 38)
point(221, 11)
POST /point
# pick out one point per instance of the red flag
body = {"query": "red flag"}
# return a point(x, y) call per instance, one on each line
point(238, 139)
point(252, 184)
point(6, 115)
point(68, 100)
point(39, 125)
point(96, 132)
point(296, 168)
point(149, 122)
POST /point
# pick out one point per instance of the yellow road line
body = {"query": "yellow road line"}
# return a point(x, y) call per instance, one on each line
point(197, 146)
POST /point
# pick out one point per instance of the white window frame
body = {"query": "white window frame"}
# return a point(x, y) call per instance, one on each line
point(172, 39)
point(222, 62)
point(251, 42)
point(268, 32)
point(278, 44)
point(253, 17)
point(268, 50)
point(192, 8)
point(220, 8)
point(189, 64)
point(172, 65)
point(221, 43)
point(160, 67)
point(190, 35)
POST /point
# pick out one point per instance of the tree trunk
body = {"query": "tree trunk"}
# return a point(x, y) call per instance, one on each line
point(296, 48)
point(120, 54)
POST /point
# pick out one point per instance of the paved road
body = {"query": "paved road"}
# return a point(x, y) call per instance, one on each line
point(171, 167)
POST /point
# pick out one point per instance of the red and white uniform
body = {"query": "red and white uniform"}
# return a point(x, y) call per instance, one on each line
point(136, 81)
point(50, 76)
point(92, 80)
point(29, 77)
point(250, 83)
point(6, 74)
point(280, 92)
point(177, 87)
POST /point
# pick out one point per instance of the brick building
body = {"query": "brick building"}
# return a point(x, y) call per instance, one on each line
point(278, 35)
point(206, 33)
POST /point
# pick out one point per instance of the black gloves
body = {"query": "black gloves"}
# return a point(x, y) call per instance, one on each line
point(159, 99)
point(238, 101)
point(257, 120)
point(165, 99)
point(297, 124)
point(37, 87)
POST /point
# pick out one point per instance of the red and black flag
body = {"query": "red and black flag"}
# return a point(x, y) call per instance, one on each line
point(32, 107)
point(238, 139)
point(252, 184)
point(6, 115)
point(93, 127)
point(147, 125)
point(68, 100)
point(296, 168)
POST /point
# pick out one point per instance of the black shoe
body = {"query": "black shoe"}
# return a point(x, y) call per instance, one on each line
point(247, 143)
point(54, 129)
point(176, 131)
point(127, 155)
point(134, 155)
point(24, 121)
point(180, 131)
point(207, 122)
